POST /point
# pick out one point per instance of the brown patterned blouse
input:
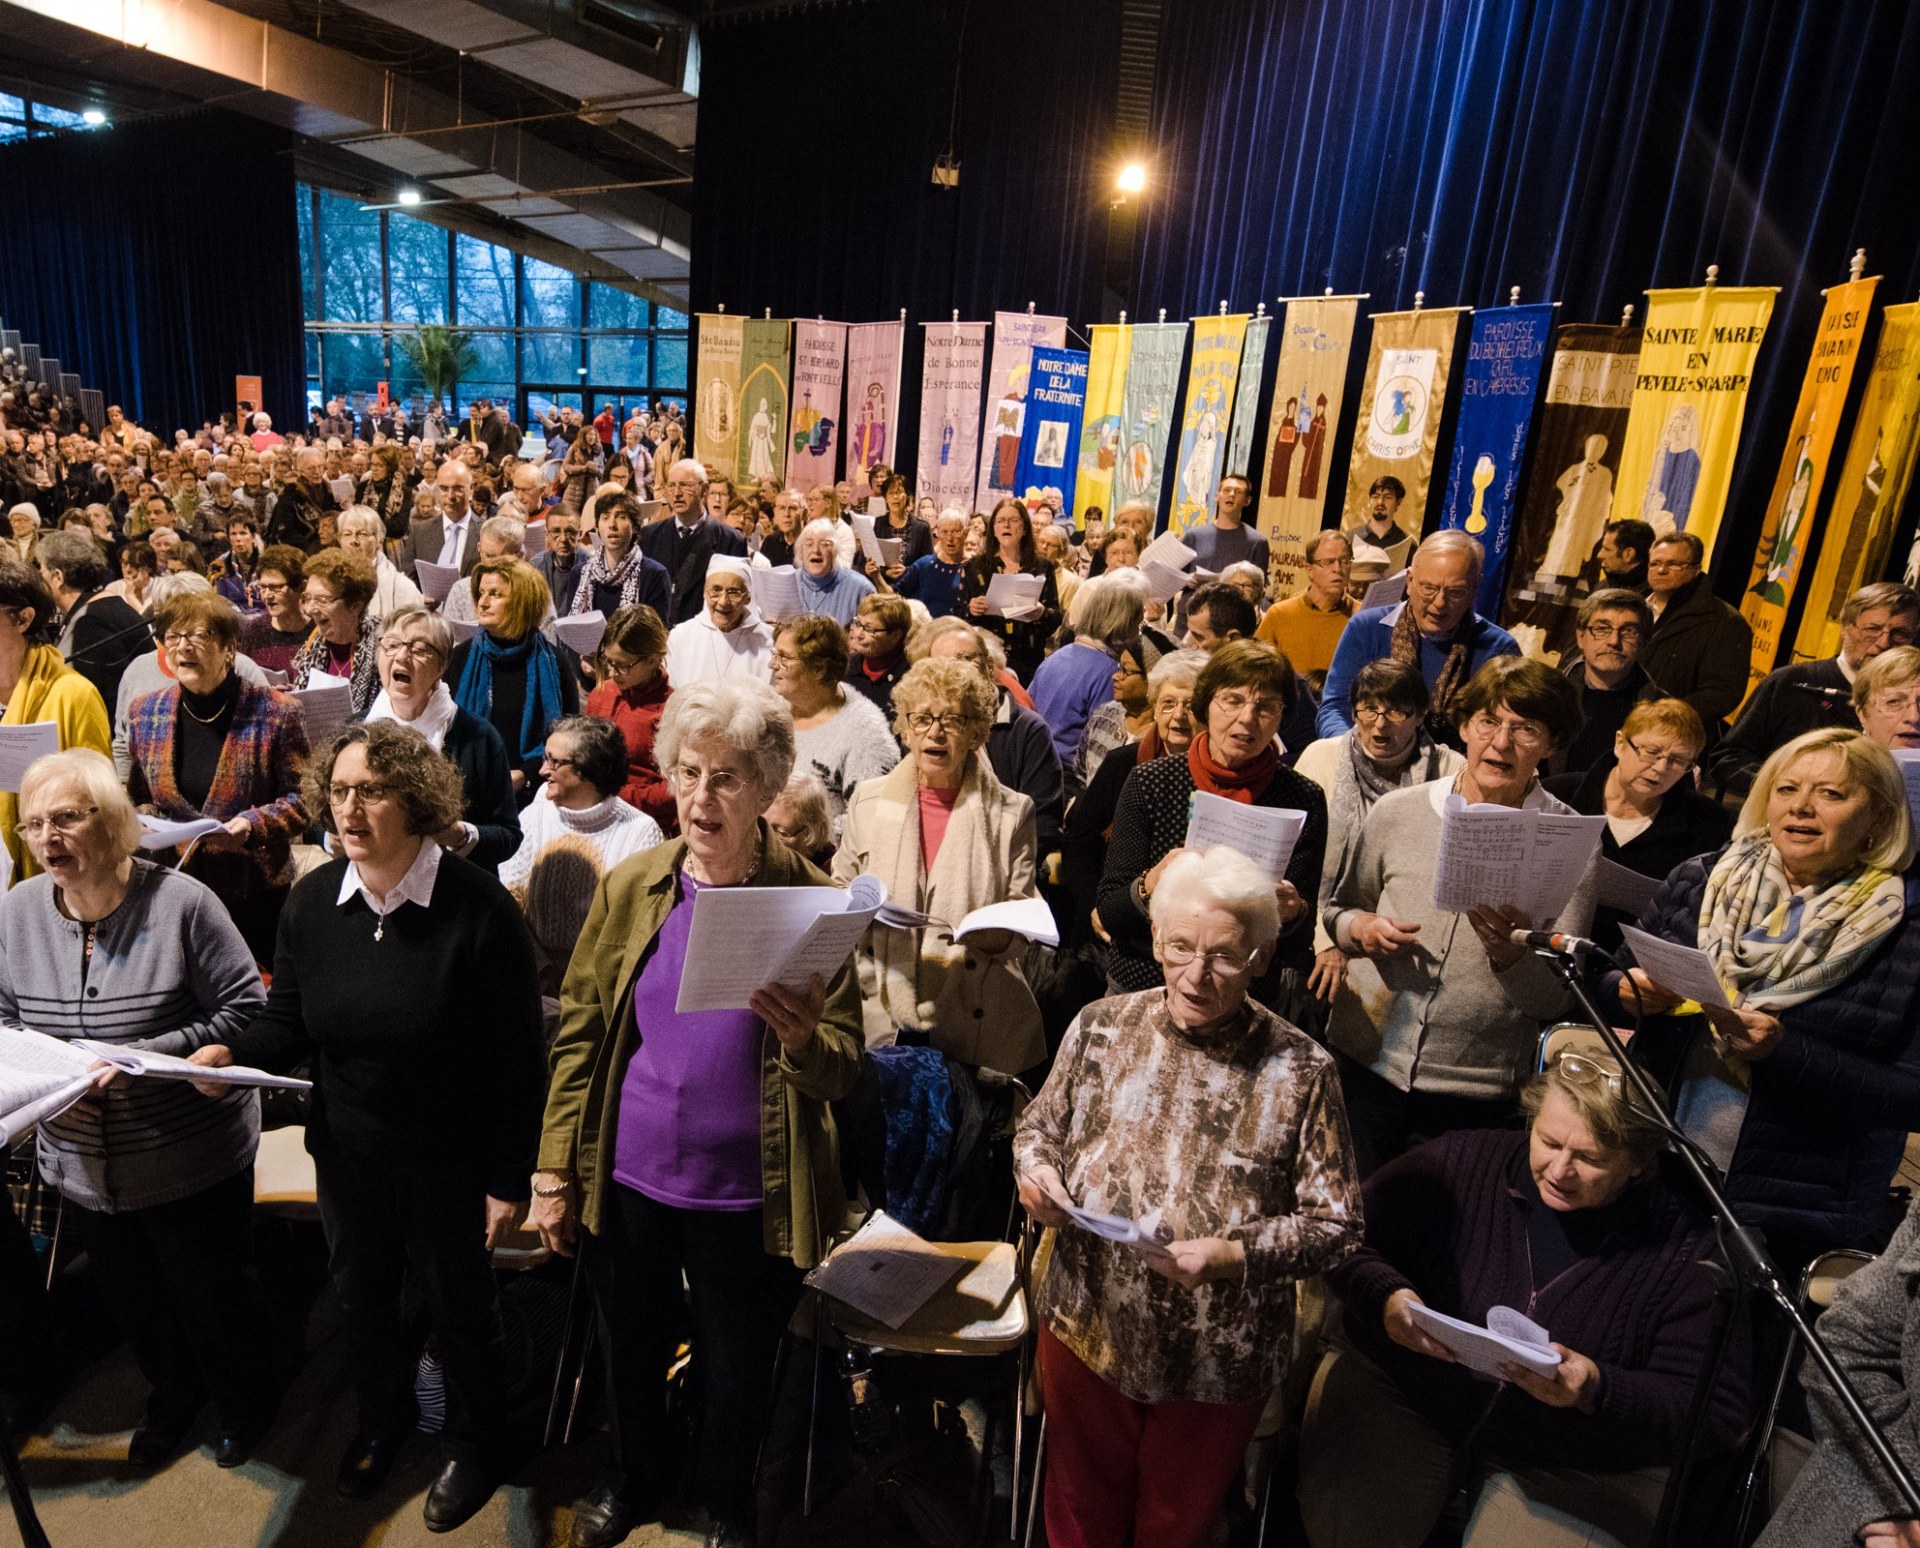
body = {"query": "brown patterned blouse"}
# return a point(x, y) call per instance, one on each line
point(1244, 1137)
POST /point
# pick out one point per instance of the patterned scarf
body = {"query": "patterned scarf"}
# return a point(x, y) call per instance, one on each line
point(1453, 672)
point(626, 575)
point(1358, 781)
point(1773, 947)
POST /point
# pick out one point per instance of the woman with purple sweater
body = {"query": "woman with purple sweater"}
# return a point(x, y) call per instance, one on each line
point(695, 1143)
point(1569, 1225)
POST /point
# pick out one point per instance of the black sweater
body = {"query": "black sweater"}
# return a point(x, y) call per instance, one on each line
point(425, 1046)
point(475, 749)
point(1807, 696)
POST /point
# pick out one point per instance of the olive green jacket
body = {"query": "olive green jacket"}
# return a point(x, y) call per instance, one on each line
point(799, 1165)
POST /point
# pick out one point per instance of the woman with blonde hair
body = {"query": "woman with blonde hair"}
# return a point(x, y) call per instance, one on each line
point(510, 674)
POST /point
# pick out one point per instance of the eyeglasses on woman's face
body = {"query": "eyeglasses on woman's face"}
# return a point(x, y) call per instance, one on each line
point(1664, 758)
point(1527, 734)
point(921, 723)
point(724, 783)
point(369, 792)
point(1221, 964)
point(68, 820)
point(1382, 714)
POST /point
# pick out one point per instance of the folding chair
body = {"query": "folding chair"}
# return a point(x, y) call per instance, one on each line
point(284, 1184)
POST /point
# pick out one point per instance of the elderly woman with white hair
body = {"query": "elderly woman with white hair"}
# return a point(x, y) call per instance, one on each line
point(362, 532)
point(727, 637)
point(1216, 1129)
point(1077, 679)
point(157, 1180)
point(827, 587)
point(695, 1149)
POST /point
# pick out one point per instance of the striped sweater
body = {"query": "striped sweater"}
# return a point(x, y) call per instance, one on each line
point(168, 972)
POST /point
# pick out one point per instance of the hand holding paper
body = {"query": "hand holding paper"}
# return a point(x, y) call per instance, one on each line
point(1685, 970)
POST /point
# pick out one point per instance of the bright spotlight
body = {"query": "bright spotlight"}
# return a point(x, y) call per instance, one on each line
point(93, 118)
point(409, 196)
point(1132, 178)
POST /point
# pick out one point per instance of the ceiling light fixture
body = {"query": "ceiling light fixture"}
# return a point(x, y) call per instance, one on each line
point(409, 196)
point(1132, 178)
point(93, 118)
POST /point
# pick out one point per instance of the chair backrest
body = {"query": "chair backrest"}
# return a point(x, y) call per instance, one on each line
point(1828, 1272)
point(1571, 1037)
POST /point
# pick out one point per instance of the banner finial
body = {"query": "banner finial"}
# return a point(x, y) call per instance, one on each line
point(1123, 319)
point(1419, 299)
point(1163, 314)
point(1858, 266)
point(1713, 274)
point(1513, 296)
point(1626, 316)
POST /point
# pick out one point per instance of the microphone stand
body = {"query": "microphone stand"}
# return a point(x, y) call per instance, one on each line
point(1745, 1254)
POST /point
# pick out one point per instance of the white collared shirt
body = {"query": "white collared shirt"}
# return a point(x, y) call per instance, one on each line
point(415, 887)
point(455, 540)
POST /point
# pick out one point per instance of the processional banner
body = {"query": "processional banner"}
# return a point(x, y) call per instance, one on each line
point(1859, 529)
point(1310, 380)
point(1689, 397)
point(1050, 437)
point(873, 398)
point(1787, 532)
point(1100, 423)
point(1207, 417)
point(1241, 447)
point(1015, 336)
point(956, 354)
point(1406, 387)
point(819, 366)
point(1146, 411)
point(716, 401)
point(1505, 351)
point(1553, 559)
point(763, 398)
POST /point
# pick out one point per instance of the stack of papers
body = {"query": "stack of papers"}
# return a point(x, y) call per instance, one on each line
point(1507, 1339)
point(1029, 917)
point(884, 1271)
point(1502, 855)
point(1266, 835)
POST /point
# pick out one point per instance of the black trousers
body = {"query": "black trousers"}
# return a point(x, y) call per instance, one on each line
point(388, 1227)
point(1387, 1121)
point(24, 1328)
point(742, 1298)
point(181, 1281)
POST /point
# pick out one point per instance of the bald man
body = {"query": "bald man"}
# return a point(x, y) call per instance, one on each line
point(453, 536)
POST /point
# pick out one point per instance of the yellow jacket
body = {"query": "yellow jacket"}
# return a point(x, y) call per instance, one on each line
point(800, 1170)
point(49, 689)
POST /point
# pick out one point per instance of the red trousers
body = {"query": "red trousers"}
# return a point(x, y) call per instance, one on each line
point(1118, 1471)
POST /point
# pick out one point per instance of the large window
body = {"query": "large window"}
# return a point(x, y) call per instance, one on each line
point(543, 335)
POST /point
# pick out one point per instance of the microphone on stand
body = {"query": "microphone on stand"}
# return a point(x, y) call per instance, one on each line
point(1552, 940)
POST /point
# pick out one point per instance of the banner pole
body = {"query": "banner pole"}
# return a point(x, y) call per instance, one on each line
point(1361, 295)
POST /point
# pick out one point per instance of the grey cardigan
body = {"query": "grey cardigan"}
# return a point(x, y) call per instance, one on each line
point(169, 973)
point(1440, 1019)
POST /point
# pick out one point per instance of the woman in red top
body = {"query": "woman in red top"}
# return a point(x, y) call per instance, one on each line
point(633, 694)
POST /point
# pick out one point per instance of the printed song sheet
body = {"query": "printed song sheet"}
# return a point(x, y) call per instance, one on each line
point(21, 745)
point(776, 592)
point(1015, 596)
point(159, 833)
point(739, 931)
point(581, 633)
point(1266, 835)
point(143, 1061)
point(1493, 855)
point(1909, 761)
point(327, 703)
point(1686, 970)
point(40, 1078)
point(436, 580)
point(885, 1271)
point(1507, 1339)
point(1615, 886)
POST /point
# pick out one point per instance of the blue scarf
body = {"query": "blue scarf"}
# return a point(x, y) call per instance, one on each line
point(542, 707)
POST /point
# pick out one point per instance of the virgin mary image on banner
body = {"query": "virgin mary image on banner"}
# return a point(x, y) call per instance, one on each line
point(1676, 471)
point(761, 431)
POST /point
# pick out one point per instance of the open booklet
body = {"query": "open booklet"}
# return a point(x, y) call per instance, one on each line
point(41, 1076)
point(1529, 860)
point(1029, 917)
point(744, 938)
point(1507, 1339)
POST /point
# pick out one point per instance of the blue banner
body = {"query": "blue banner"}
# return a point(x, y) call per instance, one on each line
point(1498, 389)
point(1050, 437)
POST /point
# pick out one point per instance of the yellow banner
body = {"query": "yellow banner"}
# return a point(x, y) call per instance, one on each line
point(1408, 363)
point(1857, 538)
point(1211, 378)
point(1689, 396)
point(1316, 336)
point(1788, 530)
point(1100, 422)
point(716, 399)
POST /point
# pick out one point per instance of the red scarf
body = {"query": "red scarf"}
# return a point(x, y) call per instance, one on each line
point(1241, 784)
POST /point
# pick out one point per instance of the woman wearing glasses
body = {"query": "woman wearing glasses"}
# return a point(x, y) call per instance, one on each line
point(1239, 700)
point(945, 837)
point(1570, 1225)
point(632, 693)
point(158, 1181)
point(1443, 1009)
point(1216, 1128)
point(694, 1148)
point(727, 637)
point(1645, 790)
point(404, 981)
point(214, 745)
point(337, 600)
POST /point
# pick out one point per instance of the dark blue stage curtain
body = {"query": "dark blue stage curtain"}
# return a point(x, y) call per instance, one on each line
point(159, 260)
point(817, 135)
point(1581, 151)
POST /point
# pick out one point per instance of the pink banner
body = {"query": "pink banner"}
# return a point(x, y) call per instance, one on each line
point(950, 412)
point(819, 357)
point(873, 399)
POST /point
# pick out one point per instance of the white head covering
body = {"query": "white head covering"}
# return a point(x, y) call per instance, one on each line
point(729, 564)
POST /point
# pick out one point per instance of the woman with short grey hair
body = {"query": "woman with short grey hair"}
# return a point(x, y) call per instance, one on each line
point(157, 1180)
point(1077, 679)
point(363, 532)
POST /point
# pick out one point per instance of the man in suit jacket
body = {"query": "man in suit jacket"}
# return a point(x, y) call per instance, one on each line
point(484, 428)
point(688, 538)
point(450, 538)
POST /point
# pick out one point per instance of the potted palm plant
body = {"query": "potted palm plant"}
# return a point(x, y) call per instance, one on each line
point(440, 356)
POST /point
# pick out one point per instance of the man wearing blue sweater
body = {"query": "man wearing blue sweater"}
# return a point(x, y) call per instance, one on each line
point(1435, 627)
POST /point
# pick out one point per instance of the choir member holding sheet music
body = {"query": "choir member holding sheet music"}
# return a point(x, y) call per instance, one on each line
point(336, 599)
point(157, 1178)
point(214, 745)
point(1010, 551)
point(1570, 1225)
point(404, 978)
point(37, 687)
point(1443, 1011)
point(694, 1144)
point(1213, 1129)
point(1239, 701)
point(414, 693)
point(1656, 818)
point(945, 836)
point(1805, 1090)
